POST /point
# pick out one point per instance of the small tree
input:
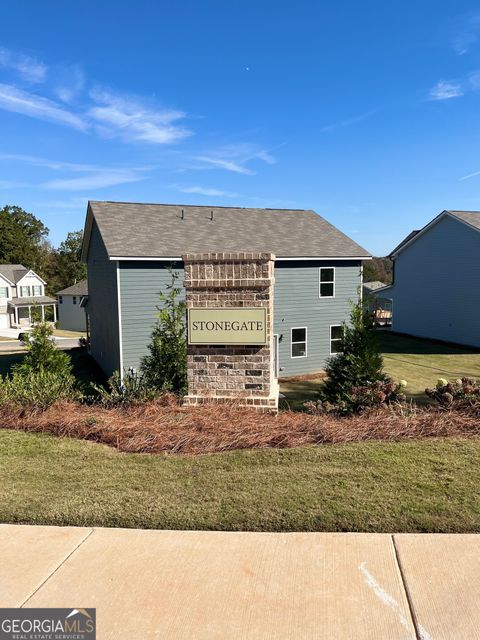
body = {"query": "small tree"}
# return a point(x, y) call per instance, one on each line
point(359, 362)
point(165, 367)
point(42, 354)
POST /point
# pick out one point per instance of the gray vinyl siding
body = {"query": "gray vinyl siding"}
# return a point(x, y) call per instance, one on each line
point(71, 317)
point(298, 304)
point(436, 292)
point(103, 305)
point(140, 285)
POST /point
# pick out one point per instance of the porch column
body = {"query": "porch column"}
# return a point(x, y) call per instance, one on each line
point(29, 315)
point(43, 313)
point(54, 313)
point(15, 312)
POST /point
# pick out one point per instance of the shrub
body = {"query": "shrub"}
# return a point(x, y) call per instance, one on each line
point(361, 398)
point(463, 393)
point(37, 389)
point(357, 366)
point(165, 368)
point(133, 389)
point(42, 354)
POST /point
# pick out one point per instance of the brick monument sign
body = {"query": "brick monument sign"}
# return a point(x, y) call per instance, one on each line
point(230, 329)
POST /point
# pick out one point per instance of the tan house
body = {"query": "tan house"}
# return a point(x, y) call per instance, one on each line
point(21, 292)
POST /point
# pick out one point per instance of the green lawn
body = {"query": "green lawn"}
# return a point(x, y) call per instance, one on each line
point(419, 362)
point(431, 485)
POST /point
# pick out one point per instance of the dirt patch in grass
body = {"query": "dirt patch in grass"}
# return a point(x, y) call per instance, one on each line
point(166, 426)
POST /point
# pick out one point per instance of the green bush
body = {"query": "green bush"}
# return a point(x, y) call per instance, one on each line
point(37, 389)
point(133, 389)
point(358, 365)
point(165, 368)
point(42, 354)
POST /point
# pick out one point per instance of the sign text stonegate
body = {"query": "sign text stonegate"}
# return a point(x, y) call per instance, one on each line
point(227, 326)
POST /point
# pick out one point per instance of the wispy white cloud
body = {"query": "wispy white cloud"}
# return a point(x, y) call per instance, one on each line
point(470, 175)
point(49, 164)
point(28, 68)
point(69, 82)
point(95, 176)
point(467, 33)
point(234, 158)
point(29, 104)
point(228, 165)
point(348, 121)
point(132, 120)
point(102, 179)
point(206, 191)
point(445, 90)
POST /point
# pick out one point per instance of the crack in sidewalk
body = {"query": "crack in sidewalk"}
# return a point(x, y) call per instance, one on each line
point(62, 562)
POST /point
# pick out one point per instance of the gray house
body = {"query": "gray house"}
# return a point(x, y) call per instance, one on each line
point(71, 307)
point(128, 248)
point(435, 292)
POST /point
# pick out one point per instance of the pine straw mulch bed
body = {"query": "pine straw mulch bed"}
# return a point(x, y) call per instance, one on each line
point(165, 426)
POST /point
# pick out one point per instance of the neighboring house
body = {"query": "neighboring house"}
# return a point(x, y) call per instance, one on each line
point(380, 307)
point(71, 307)
point(22, 291)
point(436, 273)
point(129, 247)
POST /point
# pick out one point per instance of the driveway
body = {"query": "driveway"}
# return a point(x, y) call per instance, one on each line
point(14, 346)
point(217, 585)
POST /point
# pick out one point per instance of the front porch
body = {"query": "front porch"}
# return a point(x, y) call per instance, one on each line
point(25, 311)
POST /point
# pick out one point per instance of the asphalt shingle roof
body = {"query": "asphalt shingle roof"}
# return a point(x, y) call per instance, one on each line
point(471, 217)
point(80, 288)
point(13, 272)
point(159, 230)
point(374, 284)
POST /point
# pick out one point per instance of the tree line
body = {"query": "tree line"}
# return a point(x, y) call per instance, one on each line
point(24, 240)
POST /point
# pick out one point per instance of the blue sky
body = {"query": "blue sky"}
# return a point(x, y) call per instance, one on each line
point(367, 112)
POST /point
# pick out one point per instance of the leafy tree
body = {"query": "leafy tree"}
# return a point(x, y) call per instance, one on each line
point(22, 238)
point(165, 368)
point(359, 363)
point(65, 267)
point(378, 269)
point(42, 354)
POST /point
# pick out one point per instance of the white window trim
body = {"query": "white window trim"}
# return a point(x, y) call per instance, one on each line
point(330, 340)
point(299, 342)
point(329, 282)
point(25, 286)
point(37, 286)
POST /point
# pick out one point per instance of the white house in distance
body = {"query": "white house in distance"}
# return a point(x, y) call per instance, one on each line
point(436, 273)
point(71, 307)
point(21, 291)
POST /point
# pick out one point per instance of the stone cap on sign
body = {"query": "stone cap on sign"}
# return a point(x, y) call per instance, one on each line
point(221, 257)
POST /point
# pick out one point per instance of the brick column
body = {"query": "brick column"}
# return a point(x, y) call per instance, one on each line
point(217, 373)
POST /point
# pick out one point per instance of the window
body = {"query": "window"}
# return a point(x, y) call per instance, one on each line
point(74, 300)
point(37, 290)
point(299, 342)
point(336, 335)
point(388, 306)
point(3, 292)
point(24, 292)
point(60, 299)
point(327, 282)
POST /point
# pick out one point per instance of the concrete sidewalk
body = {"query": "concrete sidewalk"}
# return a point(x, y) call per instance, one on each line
point(215, 585)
